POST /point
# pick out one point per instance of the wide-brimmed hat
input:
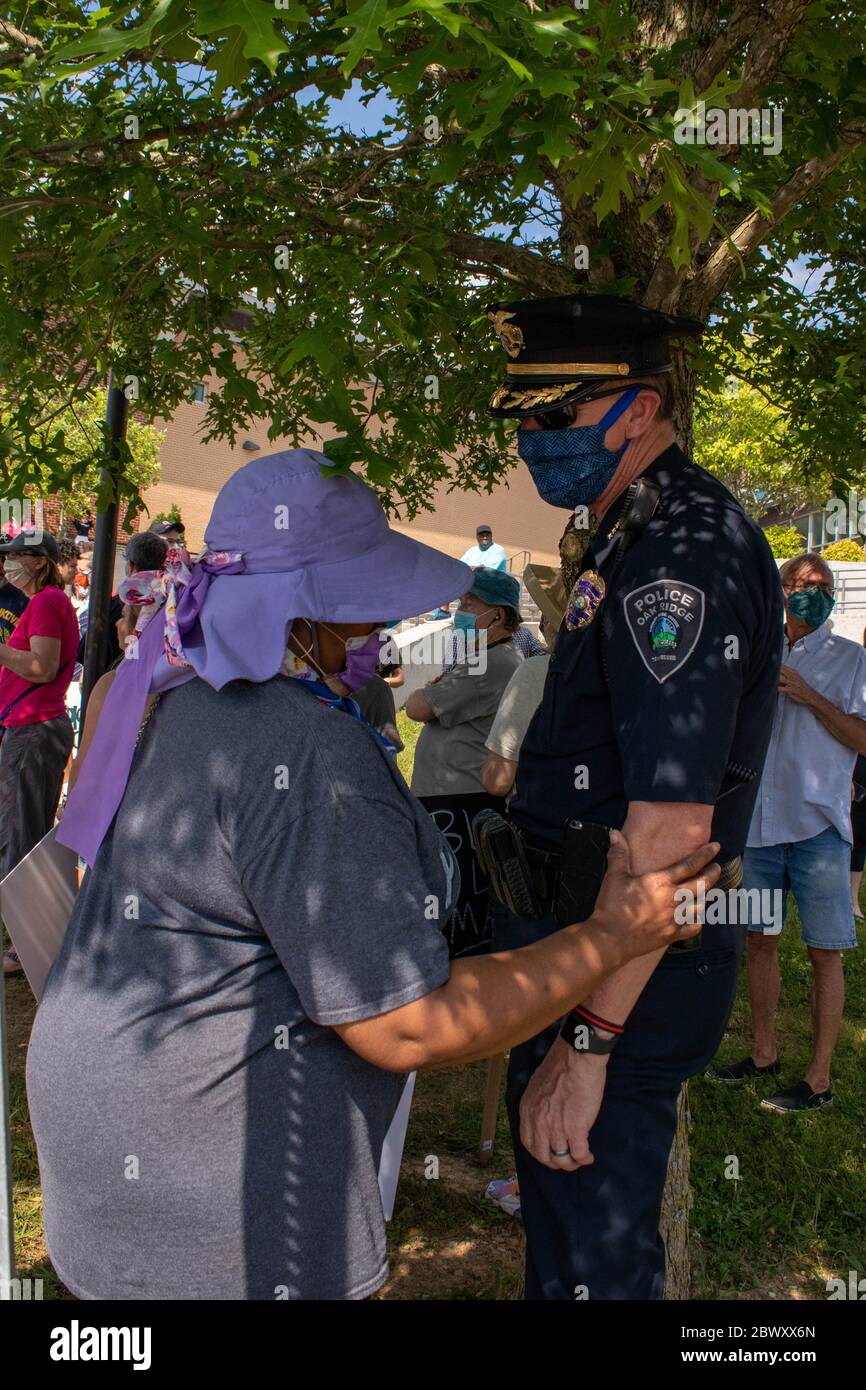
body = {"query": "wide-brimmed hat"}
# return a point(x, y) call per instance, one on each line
point(285, 540)
point(561, 349)
point(546, 588)
point(32, 543)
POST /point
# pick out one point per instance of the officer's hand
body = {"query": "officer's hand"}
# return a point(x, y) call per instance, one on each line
point(560, 1106)
point(646, 912)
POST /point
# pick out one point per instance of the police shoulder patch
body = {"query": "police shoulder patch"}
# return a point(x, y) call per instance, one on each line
point(665, 620)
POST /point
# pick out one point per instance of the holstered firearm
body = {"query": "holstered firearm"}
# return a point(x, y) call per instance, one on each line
point(530, 882)
point(502, 858)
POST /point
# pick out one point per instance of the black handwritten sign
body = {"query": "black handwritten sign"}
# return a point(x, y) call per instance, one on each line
point(467, 930)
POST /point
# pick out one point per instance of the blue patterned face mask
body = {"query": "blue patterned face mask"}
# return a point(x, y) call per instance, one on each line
point(572, 467)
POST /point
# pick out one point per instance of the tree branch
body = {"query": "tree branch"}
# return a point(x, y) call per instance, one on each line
point(769, 44)
point(527, 267)
point(771, 35)
point(238, 116)
point(709, 282)
point(23, 41)
point(728, 42)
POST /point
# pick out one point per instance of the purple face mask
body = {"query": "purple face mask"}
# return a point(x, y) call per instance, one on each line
point(363, 655)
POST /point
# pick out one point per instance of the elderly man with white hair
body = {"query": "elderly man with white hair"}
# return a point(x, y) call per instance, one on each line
point(800, 834)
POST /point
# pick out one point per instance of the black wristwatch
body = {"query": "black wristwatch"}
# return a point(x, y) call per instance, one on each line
point(582, 1034)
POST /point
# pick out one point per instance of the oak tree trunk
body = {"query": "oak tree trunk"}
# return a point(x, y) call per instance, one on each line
point(676, 1202)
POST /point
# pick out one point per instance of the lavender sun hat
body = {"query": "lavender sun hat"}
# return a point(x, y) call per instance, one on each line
point(284, 541)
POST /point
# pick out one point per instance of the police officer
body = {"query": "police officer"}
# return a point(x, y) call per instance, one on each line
point(655, 719)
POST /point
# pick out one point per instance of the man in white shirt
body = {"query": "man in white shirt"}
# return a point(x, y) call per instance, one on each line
point(800, 834)
point(485, 552)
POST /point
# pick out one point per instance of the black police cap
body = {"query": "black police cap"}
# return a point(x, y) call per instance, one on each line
point(559, 350)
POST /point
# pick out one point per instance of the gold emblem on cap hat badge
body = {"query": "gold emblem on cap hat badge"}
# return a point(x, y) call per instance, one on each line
point(510, 335)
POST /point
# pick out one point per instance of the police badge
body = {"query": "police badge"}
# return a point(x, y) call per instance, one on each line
point(584, 601)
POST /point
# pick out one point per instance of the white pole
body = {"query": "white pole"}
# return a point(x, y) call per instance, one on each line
point(7, 1229)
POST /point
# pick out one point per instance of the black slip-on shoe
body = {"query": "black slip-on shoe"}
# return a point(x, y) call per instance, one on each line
point(738, 1071)
point(796, 1098)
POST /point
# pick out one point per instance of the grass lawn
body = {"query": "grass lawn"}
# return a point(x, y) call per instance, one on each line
point(796, 1217)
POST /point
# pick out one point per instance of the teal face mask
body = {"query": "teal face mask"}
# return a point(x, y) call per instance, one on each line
point(812, 606)
point(467, 622)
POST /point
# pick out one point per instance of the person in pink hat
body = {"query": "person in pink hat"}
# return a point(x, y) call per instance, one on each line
point(250, 967)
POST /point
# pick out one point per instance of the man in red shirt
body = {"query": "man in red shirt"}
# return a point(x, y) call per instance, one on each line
point(36, 665)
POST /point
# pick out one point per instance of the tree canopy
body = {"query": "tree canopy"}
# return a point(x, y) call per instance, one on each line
point(180, 200)
point(747, 440)
point(81, 483)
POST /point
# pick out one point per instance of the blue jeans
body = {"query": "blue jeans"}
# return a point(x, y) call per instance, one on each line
point(817, 872)
point(598, 1227)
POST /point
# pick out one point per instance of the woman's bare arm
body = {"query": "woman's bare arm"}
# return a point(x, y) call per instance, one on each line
point(493, 1002)
point(91, 719)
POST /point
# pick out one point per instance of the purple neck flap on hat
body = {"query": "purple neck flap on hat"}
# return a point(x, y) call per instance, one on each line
point(94, 800)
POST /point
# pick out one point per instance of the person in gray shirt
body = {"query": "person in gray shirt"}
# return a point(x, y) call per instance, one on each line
point(252, 965)
point(457, 709)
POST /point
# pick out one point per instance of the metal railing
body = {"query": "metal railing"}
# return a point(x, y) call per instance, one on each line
point(850, 590)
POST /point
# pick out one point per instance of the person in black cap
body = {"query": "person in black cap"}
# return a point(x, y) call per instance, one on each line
point(655, 719)
point(172, 532)
point(485, 551)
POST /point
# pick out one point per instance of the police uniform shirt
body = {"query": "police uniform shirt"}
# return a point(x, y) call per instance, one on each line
point(690, 634)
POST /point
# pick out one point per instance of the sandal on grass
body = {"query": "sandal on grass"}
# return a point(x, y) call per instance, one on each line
point(11, 965)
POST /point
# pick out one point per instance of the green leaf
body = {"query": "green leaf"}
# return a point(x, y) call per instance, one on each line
point(615, 185)
point(254, 17)
point(365, 24)
point(229, 62)
point(108, 41)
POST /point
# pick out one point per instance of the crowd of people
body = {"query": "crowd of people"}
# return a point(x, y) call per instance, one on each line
point(220, 1047)
point(43, 626)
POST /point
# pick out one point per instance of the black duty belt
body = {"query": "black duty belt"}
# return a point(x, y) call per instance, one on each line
point(532, 881)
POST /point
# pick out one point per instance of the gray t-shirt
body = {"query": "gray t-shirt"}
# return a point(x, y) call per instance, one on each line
point(450, 752)
point(202, 1131)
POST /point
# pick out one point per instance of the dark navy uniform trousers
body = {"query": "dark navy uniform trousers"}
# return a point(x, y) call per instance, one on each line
point(597, 1228)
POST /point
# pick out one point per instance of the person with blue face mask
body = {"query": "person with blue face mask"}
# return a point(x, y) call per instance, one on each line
point(654, 720)
point(800, 837)
point(457, 709)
